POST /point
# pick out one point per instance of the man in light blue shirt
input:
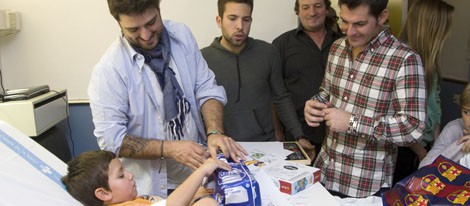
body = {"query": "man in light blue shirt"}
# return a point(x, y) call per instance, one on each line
point(149, 95)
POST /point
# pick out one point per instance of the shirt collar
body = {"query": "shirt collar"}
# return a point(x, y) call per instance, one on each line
point(379, 40)
point(134, 56)
point(300, 29)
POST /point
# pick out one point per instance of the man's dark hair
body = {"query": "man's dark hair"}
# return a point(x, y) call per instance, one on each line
point(375, 6)
point(297, 5)
point(221, 5)
point(131, 7)
point(86, 173)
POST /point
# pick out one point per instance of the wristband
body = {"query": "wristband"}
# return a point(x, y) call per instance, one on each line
point(214, 132)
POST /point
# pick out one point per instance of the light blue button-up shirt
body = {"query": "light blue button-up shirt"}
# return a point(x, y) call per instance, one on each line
point(125, 98)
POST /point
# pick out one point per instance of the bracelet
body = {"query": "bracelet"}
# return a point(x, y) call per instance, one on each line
point(161, 150)
point(161, 156)
point(352, 127)
point(214, 132)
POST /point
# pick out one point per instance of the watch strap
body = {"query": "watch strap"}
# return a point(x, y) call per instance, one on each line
point(214, 132)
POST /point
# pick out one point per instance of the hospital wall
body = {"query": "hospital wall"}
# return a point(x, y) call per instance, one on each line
point(60, 41)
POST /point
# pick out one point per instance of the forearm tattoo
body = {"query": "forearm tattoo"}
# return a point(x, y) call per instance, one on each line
point(132, 146)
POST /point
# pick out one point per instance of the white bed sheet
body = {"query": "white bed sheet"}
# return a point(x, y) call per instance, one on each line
point(29, 173)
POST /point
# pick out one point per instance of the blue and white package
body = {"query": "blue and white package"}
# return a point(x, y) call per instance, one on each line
point(237, 187)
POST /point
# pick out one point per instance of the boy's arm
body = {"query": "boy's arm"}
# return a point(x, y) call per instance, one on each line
point(186, 191)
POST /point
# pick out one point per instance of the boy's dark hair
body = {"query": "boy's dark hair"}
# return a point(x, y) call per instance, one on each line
point(86, 173)
point(375, 6)
point(131, 7)
point(221, 5)
point(297, 5)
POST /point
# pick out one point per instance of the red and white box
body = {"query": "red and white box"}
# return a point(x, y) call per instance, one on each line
point(292, 177)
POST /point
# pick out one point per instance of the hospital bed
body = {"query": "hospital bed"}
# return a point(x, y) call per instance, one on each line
point(29, 174)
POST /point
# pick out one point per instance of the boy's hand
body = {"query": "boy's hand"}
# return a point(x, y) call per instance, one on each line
point(211, 164)
point(465, 140)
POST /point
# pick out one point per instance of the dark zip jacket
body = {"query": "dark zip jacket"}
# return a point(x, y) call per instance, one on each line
point(252, 80)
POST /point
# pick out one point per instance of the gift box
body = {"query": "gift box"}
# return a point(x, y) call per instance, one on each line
point(444, 182)
point(292, 177)
point(236, 187)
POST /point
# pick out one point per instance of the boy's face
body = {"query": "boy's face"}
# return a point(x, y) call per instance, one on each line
point(466, 118)
point(121, 183)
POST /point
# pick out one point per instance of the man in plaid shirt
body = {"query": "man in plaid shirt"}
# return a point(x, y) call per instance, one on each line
point(377, 101)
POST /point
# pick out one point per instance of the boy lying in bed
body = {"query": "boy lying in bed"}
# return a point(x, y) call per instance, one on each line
point(98, 178)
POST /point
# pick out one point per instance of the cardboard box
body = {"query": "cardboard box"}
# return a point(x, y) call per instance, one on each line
point(292, 177)
point(298, 153)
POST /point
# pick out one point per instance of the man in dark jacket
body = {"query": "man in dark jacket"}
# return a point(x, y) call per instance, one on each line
point(304, 51)
point(250, 72)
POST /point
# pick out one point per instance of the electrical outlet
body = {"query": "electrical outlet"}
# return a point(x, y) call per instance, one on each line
point(457, 98)
point(10, 22)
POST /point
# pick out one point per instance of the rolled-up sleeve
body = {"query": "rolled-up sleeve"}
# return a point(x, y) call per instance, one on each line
point(406, 125)
point(107, 100)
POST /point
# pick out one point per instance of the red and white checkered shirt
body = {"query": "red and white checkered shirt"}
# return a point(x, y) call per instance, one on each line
point(384, 87)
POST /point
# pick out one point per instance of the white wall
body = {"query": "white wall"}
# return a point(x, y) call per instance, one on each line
point(61, 40)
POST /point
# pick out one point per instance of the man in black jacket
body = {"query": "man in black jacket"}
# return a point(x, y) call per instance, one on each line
point(304, 51)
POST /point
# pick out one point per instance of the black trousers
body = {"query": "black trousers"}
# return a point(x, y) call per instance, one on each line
point(407, 163)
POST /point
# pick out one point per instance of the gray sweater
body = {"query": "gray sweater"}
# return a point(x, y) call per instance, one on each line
point(252, 80)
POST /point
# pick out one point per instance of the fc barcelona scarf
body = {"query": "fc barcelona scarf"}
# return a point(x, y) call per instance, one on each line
point(444, 182)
